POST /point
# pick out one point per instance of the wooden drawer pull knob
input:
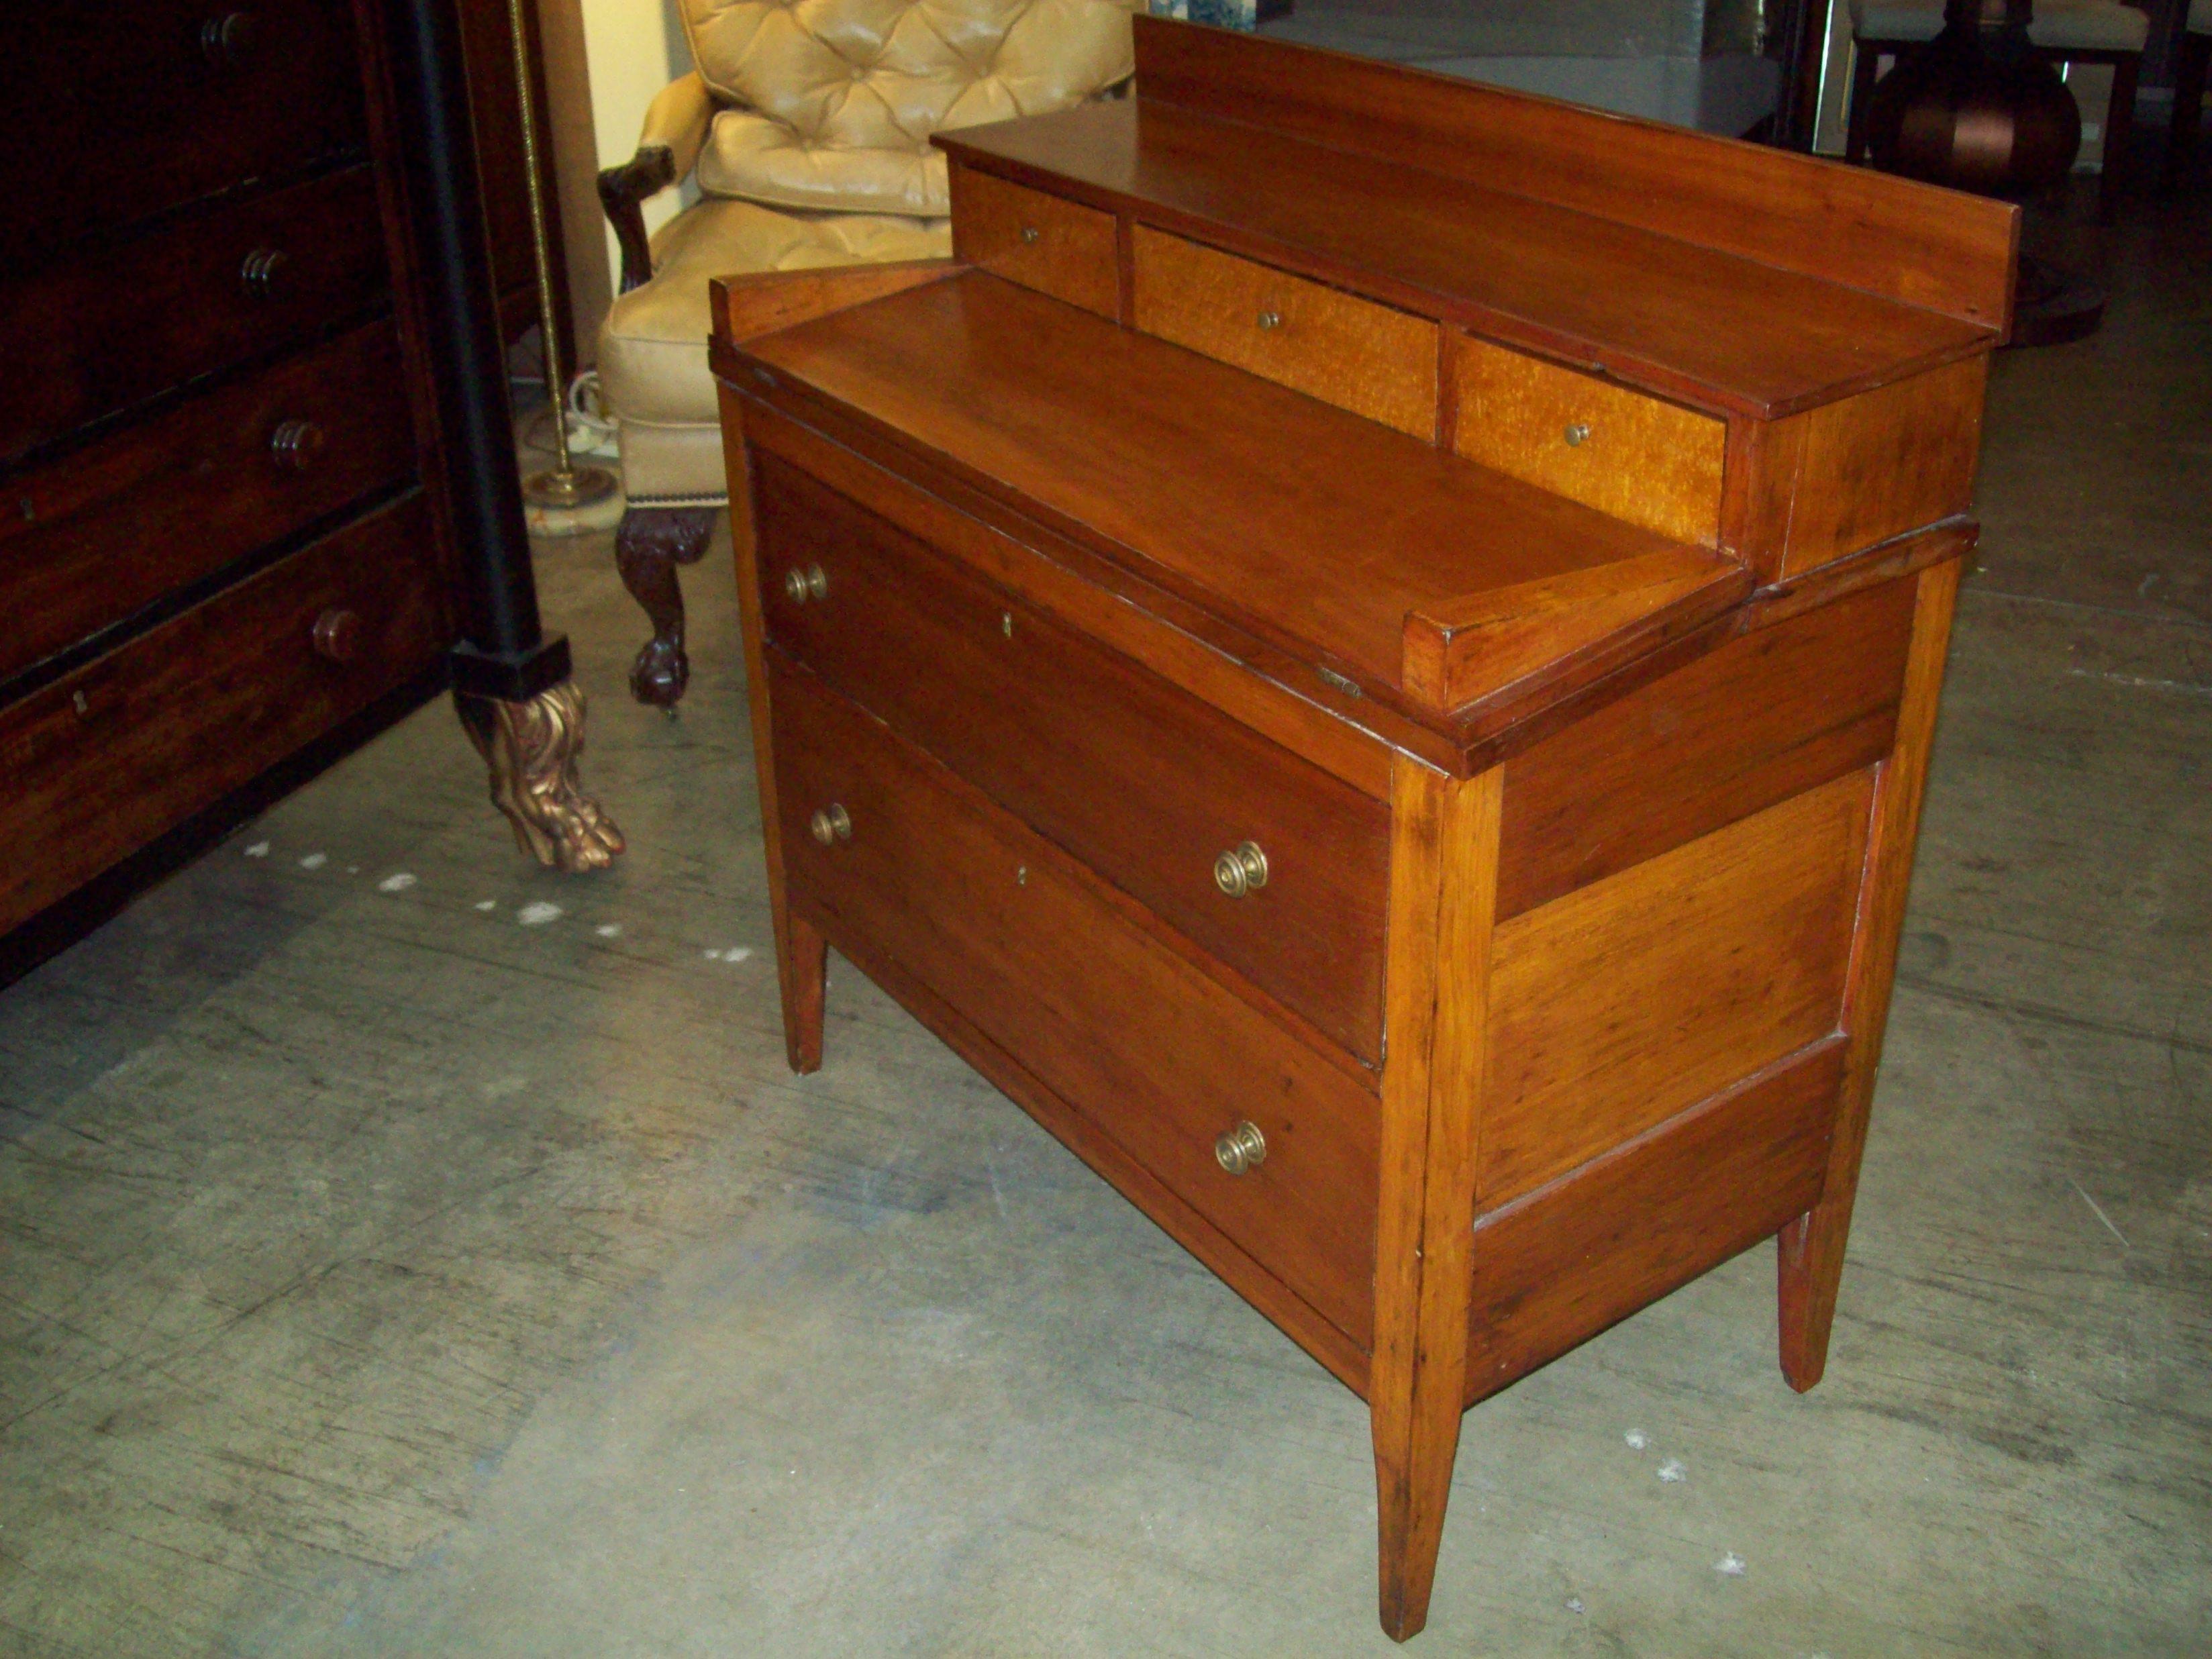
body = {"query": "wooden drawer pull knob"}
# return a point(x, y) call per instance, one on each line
point(1240, 869)
point(800, 586)
point(337, 634)
point(258, 274)
point(1578, 435)
point(1242, 1148)
point(830, 824)
point(226, 42)
point(296, 445)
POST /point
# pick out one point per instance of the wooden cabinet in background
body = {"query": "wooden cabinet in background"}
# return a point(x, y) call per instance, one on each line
point(1367, 652)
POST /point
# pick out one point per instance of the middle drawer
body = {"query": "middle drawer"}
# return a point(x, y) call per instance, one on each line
point(1146, 784)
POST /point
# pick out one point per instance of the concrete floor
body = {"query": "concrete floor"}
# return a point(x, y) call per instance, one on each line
point(384, 1272)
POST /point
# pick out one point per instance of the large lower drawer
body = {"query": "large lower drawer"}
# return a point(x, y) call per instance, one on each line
point(1143, 782)
point(1013, 936)
point(184, 299)
point(114, 526)
point(97, 764)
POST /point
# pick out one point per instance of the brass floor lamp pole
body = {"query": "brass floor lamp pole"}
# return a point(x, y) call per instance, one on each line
point(567, 485)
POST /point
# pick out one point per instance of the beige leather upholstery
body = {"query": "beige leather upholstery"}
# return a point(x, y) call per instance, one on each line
point(2082, 25)
point(652, 351)
point(831, 105)
point(808, 123)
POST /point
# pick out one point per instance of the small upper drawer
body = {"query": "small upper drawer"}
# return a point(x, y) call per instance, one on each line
point(1045, 242)
point(111, 526)
point(188, 298)
point(118, 109)
point(97, 764)
point(1143, 782)
point(1331, 345)
point(1654, 463)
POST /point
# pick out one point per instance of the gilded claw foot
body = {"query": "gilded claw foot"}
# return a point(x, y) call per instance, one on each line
point(532, 748)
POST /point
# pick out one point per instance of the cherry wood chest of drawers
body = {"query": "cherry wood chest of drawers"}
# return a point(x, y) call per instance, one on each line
point(224, 555)
point(1367, 651)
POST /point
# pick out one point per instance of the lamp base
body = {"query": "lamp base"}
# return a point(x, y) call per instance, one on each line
point(580, 486)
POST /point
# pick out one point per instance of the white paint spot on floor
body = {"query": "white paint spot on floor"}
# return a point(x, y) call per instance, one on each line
point(487, 904)
point(2143, 683)
point(259, 850)
point(537, 914)
point(1636, 1439)
point(314, 860)
point(1574, 1604)
point(1729, 1566)
point(737, 953)
point(397, 882)
point(1672, 1470)
point(608, 929)
point(352, 869)
point(712, 956)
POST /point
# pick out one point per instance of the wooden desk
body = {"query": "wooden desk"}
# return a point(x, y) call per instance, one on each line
point(1376, 675)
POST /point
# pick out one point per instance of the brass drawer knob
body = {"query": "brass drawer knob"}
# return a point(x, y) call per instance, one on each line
point(338, 635)
point(830, 824)
point(296, 445)
point(1242, 1148)
point(1029, 234)
point(1240, 869)
point(1578, 435)
point(259, 272)
point(800, 586)
point(1271, 320)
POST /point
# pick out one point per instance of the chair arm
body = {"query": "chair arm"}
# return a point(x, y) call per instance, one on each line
point(675, 131)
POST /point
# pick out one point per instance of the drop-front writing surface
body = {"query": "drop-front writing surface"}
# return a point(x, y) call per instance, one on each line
point(1414, 780)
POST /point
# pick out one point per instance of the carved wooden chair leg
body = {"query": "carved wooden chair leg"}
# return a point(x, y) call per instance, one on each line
point(531, 750)
point(650, 542)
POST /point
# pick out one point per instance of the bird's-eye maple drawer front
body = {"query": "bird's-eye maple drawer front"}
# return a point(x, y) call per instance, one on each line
point(1262, 859)
point(1042, 241)
point(194, 297)
point(1359, 355)
point(1652, 462)
point(165, 102)
point(1010, 933)
point(97, 763)
point(205, 482)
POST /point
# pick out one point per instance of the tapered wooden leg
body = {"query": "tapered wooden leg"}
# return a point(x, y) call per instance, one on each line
point(802, 964)
point(1443, 885)
point(1810, 1249)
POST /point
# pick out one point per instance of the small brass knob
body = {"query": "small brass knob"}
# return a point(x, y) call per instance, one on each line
point(830, 824)
point(1240, 869)
point(259, 272)
point(1578, 433)
point(1029, 234)
point(226, 42)
point(338, 635)
point(296, 445)
point(800, 586)
point(1271, 319)
point(1242, 1148)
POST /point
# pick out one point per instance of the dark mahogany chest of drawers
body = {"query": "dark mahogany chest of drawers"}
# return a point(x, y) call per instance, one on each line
point(1367, 651)
point(222, 559)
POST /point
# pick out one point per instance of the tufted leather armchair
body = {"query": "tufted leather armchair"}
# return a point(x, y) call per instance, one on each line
point(806, 126)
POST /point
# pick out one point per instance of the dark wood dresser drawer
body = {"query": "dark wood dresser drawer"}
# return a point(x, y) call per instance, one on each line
point(102, 761)
point(188, 298)
point(164, 101)
point(1011, 933)
point(1145, 783)
point(92, 538)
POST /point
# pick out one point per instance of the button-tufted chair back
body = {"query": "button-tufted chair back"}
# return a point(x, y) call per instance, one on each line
point(829, 103)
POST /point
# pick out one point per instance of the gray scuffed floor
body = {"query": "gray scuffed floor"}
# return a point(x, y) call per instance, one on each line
point(383, 1274)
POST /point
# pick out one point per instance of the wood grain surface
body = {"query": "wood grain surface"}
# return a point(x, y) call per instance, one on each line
point(1652, 462)
point(1327, 344)
point(1636, 997)
point(1038, 240)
